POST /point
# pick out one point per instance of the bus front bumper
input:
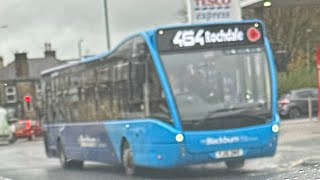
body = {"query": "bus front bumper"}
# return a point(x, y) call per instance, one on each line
point(175, 155)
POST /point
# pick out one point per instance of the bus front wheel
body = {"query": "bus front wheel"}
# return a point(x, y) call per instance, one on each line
point(127, 160)
point(235, 164)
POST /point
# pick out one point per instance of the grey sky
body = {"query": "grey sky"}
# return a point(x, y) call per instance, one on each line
point(31, 23)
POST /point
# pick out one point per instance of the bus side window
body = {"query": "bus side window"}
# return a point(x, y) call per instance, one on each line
point(120, 80)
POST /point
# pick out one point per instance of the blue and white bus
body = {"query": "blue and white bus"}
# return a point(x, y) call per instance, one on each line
point(164, 98)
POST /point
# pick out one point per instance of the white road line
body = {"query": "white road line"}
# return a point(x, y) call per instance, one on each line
point(298, 162)
point(4, 178)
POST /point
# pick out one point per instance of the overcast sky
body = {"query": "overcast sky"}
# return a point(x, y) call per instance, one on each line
point(31, 23)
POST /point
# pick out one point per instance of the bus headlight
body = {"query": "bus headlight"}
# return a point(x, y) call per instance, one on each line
point(179, 137)
point(275, 128)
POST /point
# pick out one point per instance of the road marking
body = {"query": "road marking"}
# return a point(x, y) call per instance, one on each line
point(298, 162)
point(4, 178)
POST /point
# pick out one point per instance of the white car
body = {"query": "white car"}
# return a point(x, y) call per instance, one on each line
point(6, 130)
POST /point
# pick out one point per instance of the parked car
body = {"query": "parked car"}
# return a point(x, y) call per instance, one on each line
point(28, 129)
point(294, 104)
point(6, 130)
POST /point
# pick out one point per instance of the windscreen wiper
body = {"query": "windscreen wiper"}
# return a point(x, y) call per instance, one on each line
point(232, 110)
point(259, 116)
point(224, 112)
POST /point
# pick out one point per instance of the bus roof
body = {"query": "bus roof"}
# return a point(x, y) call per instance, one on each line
point(148, 33)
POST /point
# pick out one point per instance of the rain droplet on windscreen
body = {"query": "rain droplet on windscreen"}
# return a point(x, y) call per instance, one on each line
point(301, 171)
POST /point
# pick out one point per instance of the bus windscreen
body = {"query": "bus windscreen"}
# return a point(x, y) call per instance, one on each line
point(228, 85)
point(218, 85)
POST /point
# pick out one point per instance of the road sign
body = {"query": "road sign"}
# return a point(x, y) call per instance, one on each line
point(205, 11)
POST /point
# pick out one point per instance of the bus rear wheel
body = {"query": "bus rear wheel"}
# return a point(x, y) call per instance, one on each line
point(127, 160)
point(65, 162)
point(235, 164)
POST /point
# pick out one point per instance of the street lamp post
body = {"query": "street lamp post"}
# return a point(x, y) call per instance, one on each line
point(309, 30)
point(80, 48)
point(107, 23)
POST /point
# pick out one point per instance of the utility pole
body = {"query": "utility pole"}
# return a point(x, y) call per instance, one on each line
point(308, 31)
point(107, 23)
point(80, 48)
point(308, 55)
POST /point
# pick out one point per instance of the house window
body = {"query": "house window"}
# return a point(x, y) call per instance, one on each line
point(11, 94)
point(38, 90)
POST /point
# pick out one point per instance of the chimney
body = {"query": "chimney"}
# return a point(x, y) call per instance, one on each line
point(48, 52)
point(1, 62)
point(21, 64)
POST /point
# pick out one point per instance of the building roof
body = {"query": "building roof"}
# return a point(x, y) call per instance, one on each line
point(35, 66)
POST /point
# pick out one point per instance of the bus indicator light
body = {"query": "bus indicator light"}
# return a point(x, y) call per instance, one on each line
point(159, 157)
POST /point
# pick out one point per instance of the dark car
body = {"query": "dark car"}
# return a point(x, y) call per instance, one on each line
point(28, 129)
point(294, 104)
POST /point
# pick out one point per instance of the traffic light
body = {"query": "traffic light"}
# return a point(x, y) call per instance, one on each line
point(27, 101)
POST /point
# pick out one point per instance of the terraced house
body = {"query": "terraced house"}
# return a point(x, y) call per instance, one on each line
point(20, 89)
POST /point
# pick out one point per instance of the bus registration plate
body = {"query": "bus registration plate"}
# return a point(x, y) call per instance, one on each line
point(229, 153)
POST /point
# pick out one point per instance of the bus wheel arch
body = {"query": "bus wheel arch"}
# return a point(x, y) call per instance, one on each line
point(127, 158)
point(61, 155)
point(66, 162)
point(49, 152)
point(123, 141)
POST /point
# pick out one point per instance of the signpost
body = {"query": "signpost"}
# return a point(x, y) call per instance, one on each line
point(205, 11)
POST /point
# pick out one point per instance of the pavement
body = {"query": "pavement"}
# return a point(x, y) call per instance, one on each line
point(297, 157)
point(299, 139)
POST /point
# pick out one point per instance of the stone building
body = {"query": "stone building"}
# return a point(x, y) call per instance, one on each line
point(20, 80)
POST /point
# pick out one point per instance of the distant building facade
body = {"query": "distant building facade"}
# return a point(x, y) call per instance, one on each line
point(20, 88)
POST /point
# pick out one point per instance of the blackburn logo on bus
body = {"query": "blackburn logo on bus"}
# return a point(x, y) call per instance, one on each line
point(227, 140)
point(90, 142)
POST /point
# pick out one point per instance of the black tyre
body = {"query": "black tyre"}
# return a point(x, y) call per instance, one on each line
point(127, 160)
point(65, 162)
point(32, 137)
point(294, 113)
point(235, 164)
point(76, 164)
point(12, 139)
